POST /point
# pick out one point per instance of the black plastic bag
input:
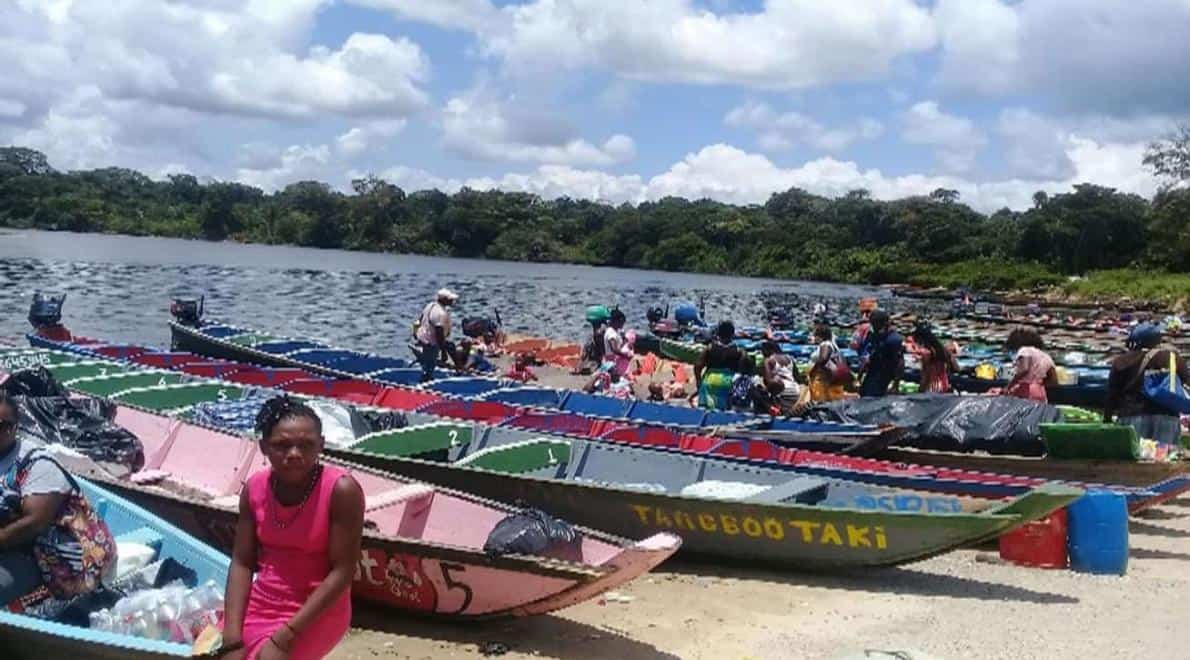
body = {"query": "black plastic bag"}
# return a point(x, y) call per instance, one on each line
point(528, 532)
point(34, 382)
point(82, 425)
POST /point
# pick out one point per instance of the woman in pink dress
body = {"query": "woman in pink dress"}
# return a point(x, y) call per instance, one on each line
point(299, 532)
point(1033, 369)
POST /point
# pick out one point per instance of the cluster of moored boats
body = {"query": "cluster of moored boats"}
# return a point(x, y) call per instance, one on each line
point(442, 463)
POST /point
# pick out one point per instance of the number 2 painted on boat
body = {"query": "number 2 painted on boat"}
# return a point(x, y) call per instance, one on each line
point(452, 583)
point(454, 436)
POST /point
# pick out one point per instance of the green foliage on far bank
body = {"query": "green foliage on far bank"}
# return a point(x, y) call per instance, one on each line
point(932, 240)
point(1169, 288)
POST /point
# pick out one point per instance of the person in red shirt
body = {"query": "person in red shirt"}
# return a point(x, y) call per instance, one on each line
point(520, 371)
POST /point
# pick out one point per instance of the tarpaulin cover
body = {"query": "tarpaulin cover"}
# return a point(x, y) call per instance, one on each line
point(80, 424)
point(238, 416)
point(995, 424)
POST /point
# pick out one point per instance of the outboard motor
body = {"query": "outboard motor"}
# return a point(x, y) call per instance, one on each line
point(655, 315)
point(45, 315)
point(187, 311)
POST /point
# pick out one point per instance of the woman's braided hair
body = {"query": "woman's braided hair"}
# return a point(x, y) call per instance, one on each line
point(282, 407)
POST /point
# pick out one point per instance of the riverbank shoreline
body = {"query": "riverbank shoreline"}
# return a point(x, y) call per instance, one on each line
point(965, 604)
point(1109, 290)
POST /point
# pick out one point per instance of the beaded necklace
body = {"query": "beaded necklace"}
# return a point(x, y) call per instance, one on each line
point(282, 524)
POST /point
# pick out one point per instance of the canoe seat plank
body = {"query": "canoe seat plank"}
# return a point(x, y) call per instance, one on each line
point(804, 490)
point(410, 493)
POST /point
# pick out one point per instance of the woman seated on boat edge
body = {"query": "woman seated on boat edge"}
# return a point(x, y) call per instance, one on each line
point(1033, 368)
point(299, 531)
point(52, 544)
point(1127, 403)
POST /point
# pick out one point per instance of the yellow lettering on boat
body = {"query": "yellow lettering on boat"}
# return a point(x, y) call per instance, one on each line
point(752, 527)
point(807, 528)
point(643, 512)
point(683, 520)
point(857, 537)
point(707, 522)
point(774, 529)
point(729, 524)
point(663, 520)
point(830, 535)
point(881, 542)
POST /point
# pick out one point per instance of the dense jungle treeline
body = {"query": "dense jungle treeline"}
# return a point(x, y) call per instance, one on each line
point(930, 240)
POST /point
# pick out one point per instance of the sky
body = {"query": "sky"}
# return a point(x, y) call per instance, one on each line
point(616, 101)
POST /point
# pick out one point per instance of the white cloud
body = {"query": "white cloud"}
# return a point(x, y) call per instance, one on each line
point(787, 44)
point(480, 126)
point(210, 57)
point(726, 173)
point(362, 138)
point(369, 76)
point(784, 131)
point(552, 181)
point(1105, 56)
point(86, 130)
point(296, 163)
point(956, 139)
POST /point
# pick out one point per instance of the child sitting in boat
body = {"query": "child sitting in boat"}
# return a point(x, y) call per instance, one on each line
point(520, 370)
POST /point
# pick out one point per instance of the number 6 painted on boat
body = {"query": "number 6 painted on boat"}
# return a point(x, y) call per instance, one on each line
point(451, 583)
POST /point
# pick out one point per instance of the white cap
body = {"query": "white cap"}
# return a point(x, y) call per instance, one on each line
point(448, 294)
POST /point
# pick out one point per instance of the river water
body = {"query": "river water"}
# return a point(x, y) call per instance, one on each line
point(119, 288)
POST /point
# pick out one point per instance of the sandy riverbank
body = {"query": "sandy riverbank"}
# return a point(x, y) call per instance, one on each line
point(962, 605)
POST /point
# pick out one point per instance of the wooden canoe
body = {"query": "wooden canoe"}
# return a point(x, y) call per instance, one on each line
point(960, 482)
point(26, 638)
point(822, 524)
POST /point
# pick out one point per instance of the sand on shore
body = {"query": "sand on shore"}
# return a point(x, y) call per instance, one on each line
point(966, 604)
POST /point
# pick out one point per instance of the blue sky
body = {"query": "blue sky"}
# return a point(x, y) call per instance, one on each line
point(732, 100)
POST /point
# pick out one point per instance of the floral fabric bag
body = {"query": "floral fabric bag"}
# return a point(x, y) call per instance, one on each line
point(77, 550)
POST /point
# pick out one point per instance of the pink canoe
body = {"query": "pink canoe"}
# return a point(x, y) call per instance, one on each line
point(422, 547)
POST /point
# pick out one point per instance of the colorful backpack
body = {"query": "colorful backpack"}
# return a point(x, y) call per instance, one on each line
point(78, 548)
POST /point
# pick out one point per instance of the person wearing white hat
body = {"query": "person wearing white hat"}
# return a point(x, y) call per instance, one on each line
point(433, 333)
